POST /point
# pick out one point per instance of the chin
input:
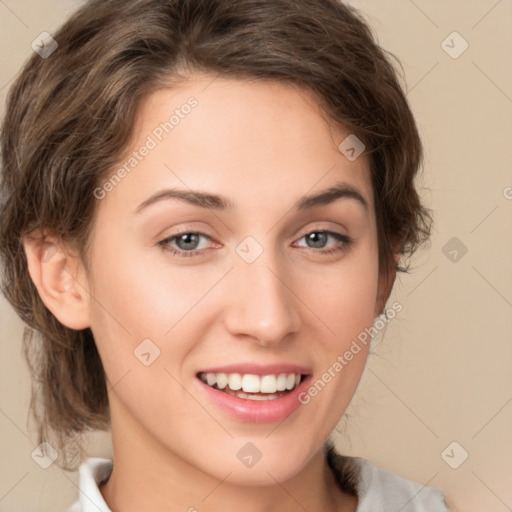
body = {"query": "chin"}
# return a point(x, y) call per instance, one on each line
point(253, 467)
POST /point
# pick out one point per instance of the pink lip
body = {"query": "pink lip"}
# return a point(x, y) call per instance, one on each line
point(256, 411)
point(256, 369)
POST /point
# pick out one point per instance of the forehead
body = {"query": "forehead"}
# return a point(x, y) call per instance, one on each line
point(244, 139)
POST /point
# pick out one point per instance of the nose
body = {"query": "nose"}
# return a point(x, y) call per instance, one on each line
point(261, 302)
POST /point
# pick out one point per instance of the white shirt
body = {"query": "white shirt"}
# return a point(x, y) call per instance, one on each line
point(377, 490)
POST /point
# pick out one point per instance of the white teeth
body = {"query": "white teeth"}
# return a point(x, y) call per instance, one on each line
point(250, 383)
point(234, 381)
point(241, 394)
point(281, 382)
point(290, 381)
point(222, 380)
point(268, 384)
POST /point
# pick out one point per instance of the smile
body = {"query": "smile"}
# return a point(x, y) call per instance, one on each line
point(253, 387)
point(253, 393)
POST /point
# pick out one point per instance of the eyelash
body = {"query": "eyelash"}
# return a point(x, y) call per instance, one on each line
point(346, 242)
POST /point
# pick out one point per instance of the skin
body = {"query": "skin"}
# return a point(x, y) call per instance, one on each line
point(263, 146)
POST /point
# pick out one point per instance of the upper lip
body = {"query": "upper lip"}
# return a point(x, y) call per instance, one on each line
point(258, 369)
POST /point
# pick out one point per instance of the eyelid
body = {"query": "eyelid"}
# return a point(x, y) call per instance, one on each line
point(344, 242)
point(339, 230)
point(170, 238)
point(341, 238)
point(321, 229)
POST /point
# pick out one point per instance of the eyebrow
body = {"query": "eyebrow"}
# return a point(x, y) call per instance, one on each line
point(217, 202)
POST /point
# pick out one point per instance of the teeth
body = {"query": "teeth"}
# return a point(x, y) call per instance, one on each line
point(222, 380)
point(234, 380)
point(268, 384)
point(253, 396)
point(281, 382)
point(250, 383)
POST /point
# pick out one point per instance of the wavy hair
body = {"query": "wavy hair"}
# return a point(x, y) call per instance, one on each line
point(69, 117)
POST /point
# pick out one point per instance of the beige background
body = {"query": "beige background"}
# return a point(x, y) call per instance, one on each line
point(443, 368)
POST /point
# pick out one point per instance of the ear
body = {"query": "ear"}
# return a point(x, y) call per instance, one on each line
point(386, 283)
point(59, 278)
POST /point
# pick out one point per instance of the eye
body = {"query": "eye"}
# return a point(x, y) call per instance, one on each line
point(191, 243)
point(185, 244)
point(319, 240)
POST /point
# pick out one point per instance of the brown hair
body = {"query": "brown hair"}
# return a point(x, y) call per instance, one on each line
point(69, 118)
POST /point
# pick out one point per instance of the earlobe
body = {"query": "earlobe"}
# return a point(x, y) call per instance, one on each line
point(57, 276)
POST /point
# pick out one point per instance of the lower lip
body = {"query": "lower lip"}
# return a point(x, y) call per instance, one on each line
point(257, 411)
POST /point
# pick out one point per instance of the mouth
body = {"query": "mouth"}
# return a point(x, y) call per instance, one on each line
point(254, 393)
point(250, 386)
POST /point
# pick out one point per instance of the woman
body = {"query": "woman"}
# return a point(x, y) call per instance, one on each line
point(205, 206)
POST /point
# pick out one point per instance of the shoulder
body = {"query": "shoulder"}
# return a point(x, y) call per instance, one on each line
point(380, 490)
point(92, 473)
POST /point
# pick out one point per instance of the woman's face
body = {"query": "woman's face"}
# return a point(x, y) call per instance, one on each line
point(263, 274)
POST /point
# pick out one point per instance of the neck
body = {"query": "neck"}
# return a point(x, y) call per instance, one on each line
point(148, 476)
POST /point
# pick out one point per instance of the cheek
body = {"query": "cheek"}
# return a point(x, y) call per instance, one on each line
point(136, 298)
point(344, 298)
point(124, 308)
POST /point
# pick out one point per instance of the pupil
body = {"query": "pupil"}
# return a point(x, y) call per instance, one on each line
point(318, 240)
point(188, 241)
